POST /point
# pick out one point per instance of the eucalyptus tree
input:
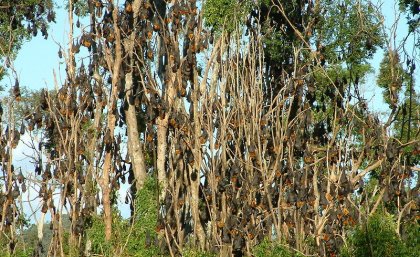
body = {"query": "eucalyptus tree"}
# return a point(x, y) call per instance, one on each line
point(251, 122)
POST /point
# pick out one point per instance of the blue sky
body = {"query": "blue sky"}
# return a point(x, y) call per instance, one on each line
point(38, 57)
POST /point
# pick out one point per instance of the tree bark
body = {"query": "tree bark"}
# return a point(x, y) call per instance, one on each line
point(195, 200)
point(112, 104)
point(135, 150)
point(162, 130)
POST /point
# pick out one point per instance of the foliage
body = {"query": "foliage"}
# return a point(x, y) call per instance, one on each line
point(398, 85)
point(144, 222)
point(412, 9)
point(392, 77)
point(281, 21)
point(406, 126)
point(269, 248)
point(350, 31)
point(221, 14)
point(17, 253)
point(22, 245)
point(134, 237)
point(197, 253)
point(411, 237)
point(96, 234)
point(377, 237)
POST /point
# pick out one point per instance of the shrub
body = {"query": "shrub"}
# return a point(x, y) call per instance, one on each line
point(129, 238)
point(376, 237)
point(268, 248)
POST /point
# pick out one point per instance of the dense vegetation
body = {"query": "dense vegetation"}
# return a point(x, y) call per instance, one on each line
point(238, 128)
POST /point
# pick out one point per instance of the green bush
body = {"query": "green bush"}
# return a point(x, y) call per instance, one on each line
point(411, 238)
point(20, 250)
point(144, 222)
point(96, 235)
point(377, 237)
point(129, 239)
point(195, 253)
point(268, 248)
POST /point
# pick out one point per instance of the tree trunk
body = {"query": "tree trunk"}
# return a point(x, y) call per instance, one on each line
point(162, 129)
point(134, 145)
point(112, 104)
point(195, 184)
point(106, 201)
